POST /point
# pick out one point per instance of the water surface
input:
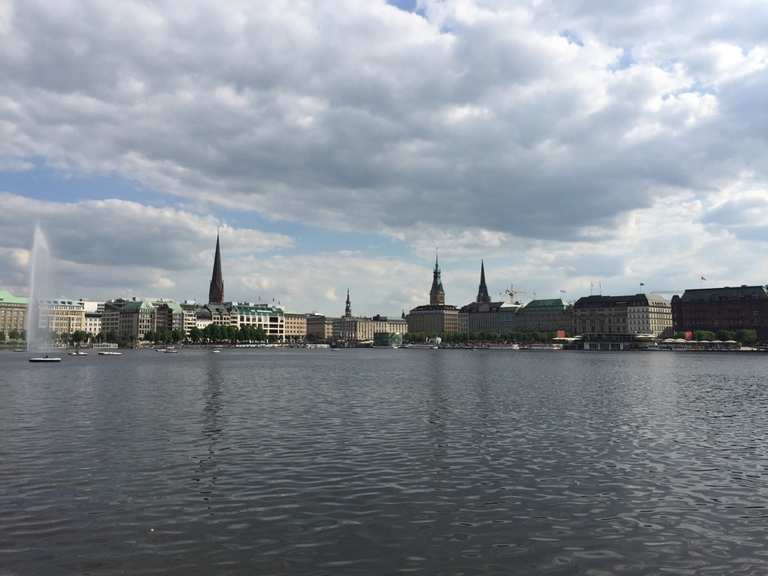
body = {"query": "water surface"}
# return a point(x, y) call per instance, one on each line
point(384, 461)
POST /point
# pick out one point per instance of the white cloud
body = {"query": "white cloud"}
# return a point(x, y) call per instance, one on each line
point(565, 140)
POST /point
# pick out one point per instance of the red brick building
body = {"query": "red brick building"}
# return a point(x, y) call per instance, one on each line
point(715, 309)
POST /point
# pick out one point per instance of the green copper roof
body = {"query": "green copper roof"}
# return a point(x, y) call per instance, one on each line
point(134, 305)
point(175, 307)
point(8, 298)
point(551, 303)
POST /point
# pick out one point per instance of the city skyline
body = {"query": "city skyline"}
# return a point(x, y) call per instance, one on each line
point(509, 292)
point(565, 147)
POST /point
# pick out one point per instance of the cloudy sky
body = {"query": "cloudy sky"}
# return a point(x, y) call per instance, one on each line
point(571, 144)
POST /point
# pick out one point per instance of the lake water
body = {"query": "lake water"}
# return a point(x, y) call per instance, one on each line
point(384, 461)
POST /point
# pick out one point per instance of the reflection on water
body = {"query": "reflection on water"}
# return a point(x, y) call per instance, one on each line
point(360, 462)
point(207, 469)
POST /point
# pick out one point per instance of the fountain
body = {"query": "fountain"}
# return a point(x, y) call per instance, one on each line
point(39, 339)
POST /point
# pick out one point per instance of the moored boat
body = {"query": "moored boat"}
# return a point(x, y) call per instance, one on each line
point(45, 359)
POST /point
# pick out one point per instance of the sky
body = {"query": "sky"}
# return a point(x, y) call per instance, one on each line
point(576, 146)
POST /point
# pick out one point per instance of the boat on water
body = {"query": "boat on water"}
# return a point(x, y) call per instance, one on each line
point(109, 353)
point(215, 351)
point(78, 353)
point(45, 359)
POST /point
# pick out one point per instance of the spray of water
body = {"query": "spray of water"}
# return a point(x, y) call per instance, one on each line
point(38, 339)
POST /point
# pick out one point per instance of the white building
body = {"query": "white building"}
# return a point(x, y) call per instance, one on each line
point(269, 318)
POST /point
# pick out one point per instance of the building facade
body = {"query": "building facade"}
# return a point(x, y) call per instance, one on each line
point(13, 314)
point(645, 314)
point(93, 323)
point(61, 317)
point(169, 316)
point(320, 328)
point(716, 309)
point(437, 317)
point(548, 315)
point(189, 316)
point(127, 320)
point(357, 329)
point(268, 318)
point(295, 327)
point(137, 318)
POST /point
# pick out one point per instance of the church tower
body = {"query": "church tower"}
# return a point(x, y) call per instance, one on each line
point(482, 291)
point(216, 291)
point(437, 294)
point(348, 307)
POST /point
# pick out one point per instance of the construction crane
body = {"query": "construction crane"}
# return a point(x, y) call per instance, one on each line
point(513, 293)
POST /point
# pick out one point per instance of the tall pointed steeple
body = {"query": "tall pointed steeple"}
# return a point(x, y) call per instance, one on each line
point(482, 291)
point(216, 291)
point(348, 307)
point(436, 293)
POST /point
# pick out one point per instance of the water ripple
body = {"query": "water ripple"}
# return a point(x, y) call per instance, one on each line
point(362, 462)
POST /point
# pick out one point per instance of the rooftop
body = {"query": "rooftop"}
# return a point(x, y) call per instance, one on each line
point(725, 293)
point(8, 298)
point(615, 301)
point(552, 303)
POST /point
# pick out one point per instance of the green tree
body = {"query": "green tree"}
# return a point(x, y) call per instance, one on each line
point(703, 335)
point(747, 337)
point(14, 334)
point(726, 335)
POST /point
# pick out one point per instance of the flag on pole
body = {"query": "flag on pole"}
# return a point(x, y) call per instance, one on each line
point(703, 278)
point(562, 291)
point(642, 283)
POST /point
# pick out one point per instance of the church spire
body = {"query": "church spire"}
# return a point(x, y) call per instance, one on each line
point(216, 291)
point(348, 307)
point(482, 292)
point(437, 294)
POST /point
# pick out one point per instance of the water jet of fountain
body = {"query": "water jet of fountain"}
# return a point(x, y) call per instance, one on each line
point(38, 339)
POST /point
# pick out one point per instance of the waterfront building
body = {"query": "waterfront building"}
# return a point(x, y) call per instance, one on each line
point(356, 329)
point(638, 314)
point(169, 316)
point(13, 314)
point(93, 323)
point(203, 318)
point(482, 315)
point(437, 317)
point(547, 315)
point(320, 328)
point(189, 315)
point(268, 318)
point(216, 289)
point(137, 318)
point(61, 317)
point(110, 318)
point(220, 314)
point(295, 326)
point(94, 311)
point(717, 309)
point(127, 320)
point(365, 329)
